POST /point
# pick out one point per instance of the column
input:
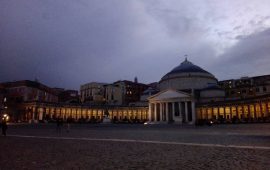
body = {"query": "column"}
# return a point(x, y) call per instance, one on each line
point(193, 112)
point(218, 113)
point(149, 111)
point(173, 110)
point(255, 111)
point(117, 114)
point(212, 110)
point(180, 110)
point(33, 113)
point(167, 110)
point(231, 115)
point(60, 112)
point(52, 112)
point(41, 114)
point(249, 117)
point(186, 112)
point(160, 112)
point(243, 111)
point(155, 112)
point(236, 110)
point(262, 114)
point(267, 109)
point(102, 114)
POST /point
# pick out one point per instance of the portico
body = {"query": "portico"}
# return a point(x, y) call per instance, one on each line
point(170, 106)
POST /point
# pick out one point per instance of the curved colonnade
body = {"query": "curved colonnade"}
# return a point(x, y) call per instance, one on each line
point(249, 111)
point(41, 111)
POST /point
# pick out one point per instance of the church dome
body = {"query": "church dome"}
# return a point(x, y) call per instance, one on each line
point(187, 76)
point(187, 67)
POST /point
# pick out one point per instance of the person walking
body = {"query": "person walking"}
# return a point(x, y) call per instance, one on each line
point(59, 123)
point(68, 123)
point(4, 126)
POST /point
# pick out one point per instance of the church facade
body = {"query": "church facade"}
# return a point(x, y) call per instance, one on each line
point(190, 94)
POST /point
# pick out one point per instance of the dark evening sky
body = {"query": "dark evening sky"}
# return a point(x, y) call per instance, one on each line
point(67, 43)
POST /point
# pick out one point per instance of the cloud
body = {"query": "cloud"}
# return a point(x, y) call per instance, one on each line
point(249, 57)
point(63, 42)
point(66, 43)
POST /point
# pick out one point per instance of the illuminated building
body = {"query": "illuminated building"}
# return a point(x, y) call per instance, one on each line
point(19, 92)
point(246, 87)
point(181, 89)
point(187, 94)
point(86, 113)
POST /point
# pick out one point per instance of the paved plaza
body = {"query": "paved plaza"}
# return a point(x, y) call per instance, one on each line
point(110, 146)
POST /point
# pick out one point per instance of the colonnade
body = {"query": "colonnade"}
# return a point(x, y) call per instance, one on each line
point(43, 112)
point(252, 111)
point(172, 111)
point(165, 111)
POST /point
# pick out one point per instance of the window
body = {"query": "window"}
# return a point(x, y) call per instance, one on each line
point(264, 88)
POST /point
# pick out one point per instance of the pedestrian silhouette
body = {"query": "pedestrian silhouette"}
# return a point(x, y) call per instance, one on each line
point(59, 123)
point(68, 123)
point(4, 126)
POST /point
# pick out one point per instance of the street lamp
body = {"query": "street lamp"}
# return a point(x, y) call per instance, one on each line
point(5, 116)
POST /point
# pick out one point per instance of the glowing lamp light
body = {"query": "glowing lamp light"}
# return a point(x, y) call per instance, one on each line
point(5, 116)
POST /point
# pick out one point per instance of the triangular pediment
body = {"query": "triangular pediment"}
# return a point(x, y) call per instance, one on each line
point(169, 94)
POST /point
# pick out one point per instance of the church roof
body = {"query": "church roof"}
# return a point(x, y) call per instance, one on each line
point(169, 94)
point(187, 67)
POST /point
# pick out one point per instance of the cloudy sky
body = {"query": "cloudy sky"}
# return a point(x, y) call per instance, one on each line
point(66, 43)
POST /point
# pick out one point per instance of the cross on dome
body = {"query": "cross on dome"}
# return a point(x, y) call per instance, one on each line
point(186, 57)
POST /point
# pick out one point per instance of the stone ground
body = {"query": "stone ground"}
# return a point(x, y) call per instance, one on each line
point(245, 146)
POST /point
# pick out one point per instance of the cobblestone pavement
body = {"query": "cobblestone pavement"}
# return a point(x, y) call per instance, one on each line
point(73, 151)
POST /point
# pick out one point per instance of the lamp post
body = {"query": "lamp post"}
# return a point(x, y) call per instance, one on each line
point(4, 114)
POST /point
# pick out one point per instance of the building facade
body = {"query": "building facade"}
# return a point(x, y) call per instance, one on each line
point(2, 100)
point(246, 87)
point(19, 92)
point(124, 92)
point(171, 106)
point(93, 93)
point(180, 90)
point(26, 90)
point(69, 96)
